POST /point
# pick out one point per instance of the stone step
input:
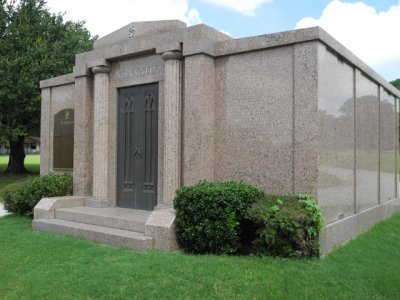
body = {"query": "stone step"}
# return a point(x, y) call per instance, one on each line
point(102, 235)
point(113, 217)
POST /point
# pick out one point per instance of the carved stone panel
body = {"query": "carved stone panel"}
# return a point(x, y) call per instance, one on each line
point(63, 145)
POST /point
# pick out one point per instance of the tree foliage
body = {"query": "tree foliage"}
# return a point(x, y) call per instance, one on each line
point(396, 83)
point(34, 45)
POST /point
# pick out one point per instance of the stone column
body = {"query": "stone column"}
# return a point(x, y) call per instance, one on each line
point(100, 131)
point(172, 125)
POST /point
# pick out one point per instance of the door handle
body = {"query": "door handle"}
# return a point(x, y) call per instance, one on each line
point(138, 153)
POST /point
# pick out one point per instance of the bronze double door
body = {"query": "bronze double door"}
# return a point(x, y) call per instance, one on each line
point(137, 147)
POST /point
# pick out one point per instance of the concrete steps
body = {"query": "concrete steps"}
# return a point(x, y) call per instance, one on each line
point(112, 225)
point(114, 217)
point(103, 235)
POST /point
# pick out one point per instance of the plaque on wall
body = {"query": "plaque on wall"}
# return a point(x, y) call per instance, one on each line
point(63, 143)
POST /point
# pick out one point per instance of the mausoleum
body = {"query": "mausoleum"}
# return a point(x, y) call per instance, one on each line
point(159, 105)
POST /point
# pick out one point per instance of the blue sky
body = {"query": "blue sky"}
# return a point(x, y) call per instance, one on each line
point(369, 28)
point(279, 15)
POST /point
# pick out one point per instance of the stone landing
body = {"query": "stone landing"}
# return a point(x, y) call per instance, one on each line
point(128, 228)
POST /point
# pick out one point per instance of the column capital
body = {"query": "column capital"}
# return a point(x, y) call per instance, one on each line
point(172, 55)
point(101, 69)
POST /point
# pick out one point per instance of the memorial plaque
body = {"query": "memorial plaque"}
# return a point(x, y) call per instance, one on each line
point(63, 145)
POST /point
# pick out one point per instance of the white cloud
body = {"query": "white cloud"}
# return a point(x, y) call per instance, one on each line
point(371, 35)
point(193, 17)
point(246, 7)
point(103, 17)
point(226, 32)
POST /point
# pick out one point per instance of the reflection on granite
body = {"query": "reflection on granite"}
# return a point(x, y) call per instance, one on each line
point(336, 119)
point(388, 139)
point(397, 147)
point(335, 192)
point(367, 142)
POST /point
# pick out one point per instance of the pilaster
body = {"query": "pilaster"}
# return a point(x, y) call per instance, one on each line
point(172, 126)
point(100, 131)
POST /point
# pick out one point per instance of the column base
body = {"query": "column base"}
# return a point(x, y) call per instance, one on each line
point(163, 206)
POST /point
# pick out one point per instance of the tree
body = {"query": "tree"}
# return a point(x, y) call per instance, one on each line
point(396, 83)
point(34, 45)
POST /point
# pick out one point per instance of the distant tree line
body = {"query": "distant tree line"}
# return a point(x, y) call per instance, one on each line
point(396, 83)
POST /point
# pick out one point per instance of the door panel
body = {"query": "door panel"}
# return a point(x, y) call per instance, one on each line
point(137, 147)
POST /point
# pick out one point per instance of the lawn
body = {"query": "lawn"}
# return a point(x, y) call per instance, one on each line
point(32, 164)
point(44, 266)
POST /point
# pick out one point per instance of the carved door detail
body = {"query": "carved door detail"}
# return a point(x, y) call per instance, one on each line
point(137, 147)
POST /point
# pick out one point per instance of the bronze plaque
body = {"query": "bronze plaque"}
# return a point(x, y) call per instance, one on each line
point(63, 144)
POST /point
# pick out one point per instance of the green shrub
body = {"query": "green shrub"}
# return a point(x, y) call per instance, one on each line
point(286, 225)
point(23, 199)
point(11, 187)
point(208, 216)
point(15, 199)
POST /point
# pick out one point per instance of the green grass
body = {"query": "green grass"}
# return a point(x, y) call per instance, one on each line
point(44, 266)
point(32, 164)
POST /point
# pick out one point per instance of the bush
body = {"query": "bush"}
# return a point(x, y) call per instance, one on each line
point(286, 226)
point(11, 187)
point(23, 199)
point(208, 216)
point(14, 198)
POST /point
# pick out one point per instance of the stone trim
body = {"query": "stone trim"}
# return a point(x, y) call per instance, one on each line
point(161, 227)
point(101, 69)
point(287, 38)
point(46, 207)
point(341, 231)
point(57, 81)
point(171, 55)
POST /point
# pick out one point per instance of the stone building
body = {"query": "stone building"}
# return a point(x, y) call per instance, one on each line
point(159, 105)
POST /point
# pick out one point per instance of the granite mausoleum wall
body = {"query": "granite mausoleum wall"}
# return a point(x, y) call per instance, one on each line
point(254, 119)
point(290, 112)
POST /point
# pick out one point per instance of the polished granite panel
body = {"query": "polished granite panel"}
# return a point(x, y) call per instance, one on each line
point(62, 97)
point(367, 142)
point(387, 138)
point(254, 119)
point(397, 136)
point(198, 120)
point(336, 136)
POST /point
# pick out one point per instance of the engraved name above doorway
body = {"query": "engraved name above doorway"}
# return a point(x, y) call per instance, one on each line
point(138, 71)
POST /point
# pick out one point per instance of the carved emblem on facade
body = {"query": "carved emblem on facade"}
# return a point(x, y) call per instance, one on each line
point(131, 32)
